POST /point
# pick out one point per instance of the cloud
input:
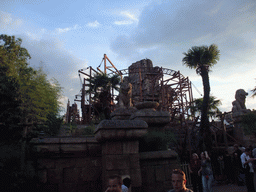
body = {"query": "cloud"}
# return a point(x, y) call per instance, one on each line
point(173, 27)
point(93, 24)
point(57, 62)
point(129, 18)
point(64, 30)
point(184, 24)
point(125, 22)
point(7, 21)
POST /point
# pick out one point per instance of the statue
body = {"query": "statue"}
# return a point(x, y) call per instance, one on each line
point(238, 110)
point(125, 108)
point(125, 94)
point(239, 104)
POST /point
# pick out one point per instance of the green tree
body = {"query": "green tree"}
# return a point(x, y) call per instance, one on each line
point(29, 97)
point(196, 106)
point(202, 58)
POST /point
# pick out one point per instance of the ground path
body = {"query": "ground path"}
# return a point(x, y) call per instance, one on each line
point(229, 188)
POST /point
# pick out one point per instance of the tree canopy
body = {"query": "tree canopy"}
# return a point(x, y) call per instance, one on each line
point(28, 96)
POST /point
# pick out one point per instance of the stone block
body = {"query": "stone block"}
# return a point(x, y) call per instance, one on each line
point(65, 148)
point(54, 176)
point(95, 162)
point(67, 187)
point(81, 162)
point(136, 177)
point(71, 175)
point(160, 174)
point(168, 154)
point(46, 148)
point(49, 188)
point(148, 174)
point(65, 163)
point(73, 140)
point(46, 163)
point(120, 129)
point(46, 140)
point(134, 161)
point(117, 162)
point(125, 172)
point(130, 147)
point(120, 134)
point(42, 175)
point(112, 148)
point(94, 149)
point(90, 174)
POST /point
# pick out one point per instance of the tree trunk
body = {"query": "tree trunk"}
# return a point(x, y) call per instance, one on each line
point(205, 133)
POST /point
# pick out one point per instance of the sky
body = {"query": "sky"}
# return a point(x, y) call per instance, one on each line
point(63, 36)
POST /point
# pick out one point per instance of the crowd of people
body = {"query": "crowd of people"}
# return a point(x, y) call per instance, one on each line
point(235, 168)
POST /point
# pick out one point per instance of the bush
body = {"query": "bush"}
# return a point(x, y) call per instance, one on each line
point(156, 141)
point(89, 130)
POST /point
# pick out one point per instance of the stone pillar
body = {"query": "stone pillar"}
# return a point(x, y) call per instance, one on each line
point(120, 149)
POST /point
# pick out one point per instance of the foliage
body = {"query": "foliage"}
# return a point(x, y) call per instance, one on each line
point(254, 92)
point(103, 81)
point(100, 87)
point(196, 106)
point(29, 97)
point(52, 125)
point(89, 130)
point(249, 123)
point(201, 56)
point(156, 141)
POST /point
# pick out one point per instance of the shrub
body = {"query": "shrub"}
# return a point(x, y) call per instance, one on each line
point(156, 141)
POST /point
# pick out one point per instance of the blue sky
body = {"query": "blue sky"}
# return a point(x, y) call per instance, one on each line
point(64, 36)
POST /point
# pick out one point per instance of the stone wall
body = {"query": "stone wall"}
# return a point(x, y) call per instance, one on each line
point(68, 164)
point(156, 168)
point(75, 164)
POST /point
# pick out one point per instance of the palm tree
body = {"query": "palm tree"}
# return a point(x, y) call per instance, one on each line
point(196, 106)
point(101, 85)
point(202, 59)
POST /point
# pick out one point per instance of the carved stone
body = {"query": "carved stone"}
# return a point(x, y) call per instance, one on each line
point(239, 108)
point(125, 94)
point(122, 113)
point(148, 113)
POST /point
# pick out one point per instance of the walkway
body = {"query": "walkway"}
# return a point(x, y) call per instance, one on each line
point(229, 188)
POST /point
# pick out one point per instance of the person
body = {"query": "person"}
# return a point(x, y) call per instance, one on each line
point(179, 181)
point(228, 168)
point(126, 184)
point(254, 152)
point(237, 164)
point(206, 170)
point(124, 188)
point(194, 166)
point(246, 161)
point(114, 184)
